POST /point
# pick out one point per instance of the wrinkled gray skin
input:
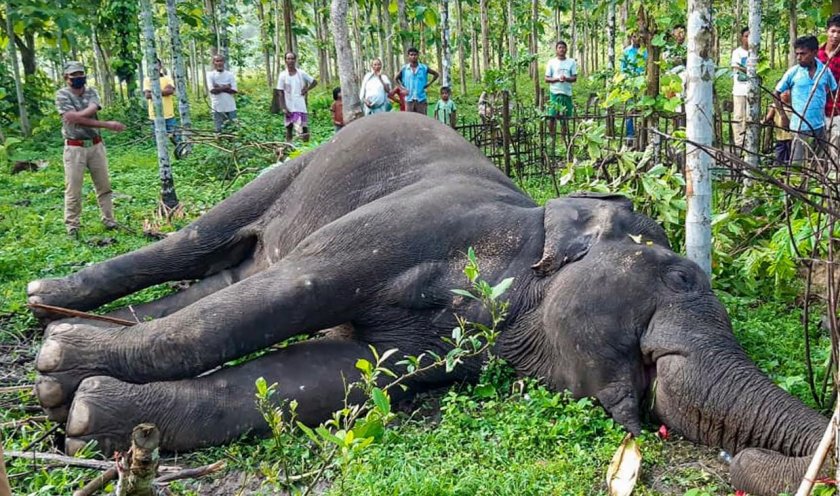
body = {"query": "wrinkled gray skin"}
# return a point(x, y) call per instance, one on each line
point(369, 232)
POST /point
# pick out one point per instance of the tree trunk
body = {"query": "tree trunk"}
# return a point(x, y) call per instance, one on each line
point(462, 72)
point(10, 47)
point(107, 77)
point(446, 66)
point(754, 96)
point(178, 65)
point(647, 30)
point(403, 19)
point(485, 35)
point(265, 42)
point(476, 69)
point(224, 38)
point(772, 46)
point(535, 47)
point(194, 64)
point(573, 48)
point(699, 125)
point(26, 46)
point(278, 45)
point(168, 196)
point(349, 87)
point(137, 478)
point(358, 48)
point(288, 15)
point(611, 36)
point(511, 36)
point(791, 32)
point(736, 33)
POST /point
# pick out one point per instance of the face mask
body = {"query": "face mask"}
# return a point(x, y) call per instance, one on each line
point(78, 82)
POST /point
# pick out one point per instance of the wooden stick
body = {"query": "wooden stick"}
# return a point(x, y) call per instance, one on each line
point(84, 315)
point(76, 462)
point(97, 483)
point(143, 461)
point(16, 389)
point(819, 455)
point(64, 460)
point(17, 423)
point(191, 473)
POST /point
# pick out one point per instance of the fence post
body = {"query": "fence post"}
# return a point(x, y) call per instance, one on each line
point(506, 129)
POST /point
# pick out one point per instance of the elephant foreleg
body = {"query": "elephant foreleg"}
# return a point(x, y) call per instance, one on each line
point(294, 297)
point(217, 408)
point(171, 303)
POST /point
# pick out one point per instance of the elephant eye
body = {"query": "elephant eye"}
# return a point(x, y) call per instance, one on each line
point(679, 279)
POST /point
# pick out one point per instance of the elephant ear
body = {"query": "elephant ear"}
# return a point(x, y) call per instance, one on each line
point(575, 223)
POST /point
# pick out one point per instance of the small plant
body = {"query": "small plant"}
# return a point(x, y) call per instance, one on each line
point(362, 422)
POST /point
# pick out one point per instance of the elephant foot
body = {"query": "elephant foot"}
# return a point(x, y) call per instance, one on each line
point(54, 292)
point(190, 414)
point(70, 353)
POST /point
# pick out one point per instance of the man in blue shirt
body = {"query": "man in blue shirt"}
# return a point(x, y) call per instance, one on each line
point(810, 85)
point(634, 57)
point(633, 61)
point(414, 79)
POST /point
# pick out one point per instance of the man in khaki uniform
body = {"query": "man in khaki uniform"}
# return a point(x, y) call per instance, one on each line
point(83, 147)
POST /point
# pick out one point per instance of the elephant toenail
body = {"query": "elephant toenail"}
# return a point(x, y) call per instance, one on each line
point(49, 392)
point(49, 357)
point(34, 287)
point(78, 422)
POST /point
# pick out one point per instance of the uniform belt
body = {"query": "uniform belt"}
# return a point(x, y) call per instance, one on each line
point(84, 142)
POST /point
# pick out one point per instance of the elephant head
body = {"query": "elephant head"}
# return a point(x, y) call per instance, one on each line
point(628, 321)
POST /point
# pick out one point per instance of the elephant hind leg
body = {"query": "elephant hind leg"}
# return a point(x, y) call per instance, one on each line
point(217, 408)
point(220, 239)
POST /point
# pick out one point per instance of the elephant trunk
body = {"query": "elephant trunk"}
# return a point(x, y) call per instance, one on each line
point(708, 390)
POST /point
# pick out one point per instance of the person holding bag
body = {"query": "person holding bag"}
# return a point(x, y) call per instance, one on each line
point(374, 90)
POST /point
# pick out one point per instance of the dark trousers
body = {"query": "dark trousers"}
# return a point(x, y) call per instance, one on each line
point(782, 151)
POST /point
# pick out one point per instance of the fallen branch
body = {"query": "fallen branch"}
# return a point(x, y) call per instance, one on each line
point(62, 459)
point(17, 423)
point(98, 483)
point(76, 462)
point(16, 389)
point(191, 473)
point(67, 312)
point(819, 455)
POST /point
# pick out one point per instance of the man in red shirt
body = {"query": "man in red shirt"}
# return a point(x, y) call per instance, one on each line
point(829, 54)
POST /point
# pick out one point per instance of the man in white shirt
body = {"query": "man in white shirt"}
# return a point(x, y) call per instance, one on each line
point(740, 88)
point(560, 73)
point(293, 85)
point(222, 86)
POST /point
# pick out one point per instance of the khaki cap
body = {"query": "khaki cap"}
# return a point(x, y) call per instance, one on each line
point(73, 66)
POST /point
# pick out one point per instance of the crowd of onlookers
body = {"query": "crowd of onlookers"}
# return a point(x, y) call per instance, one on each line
point(805, 112)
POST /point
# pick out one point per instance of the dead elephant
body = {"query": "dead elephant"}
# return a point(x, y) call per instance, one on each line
point(370, 232)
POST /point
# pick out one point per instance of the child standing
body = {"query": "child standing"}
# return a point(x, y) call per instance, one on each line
point(445, 110)
point(337, 110)
point(781, 123)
